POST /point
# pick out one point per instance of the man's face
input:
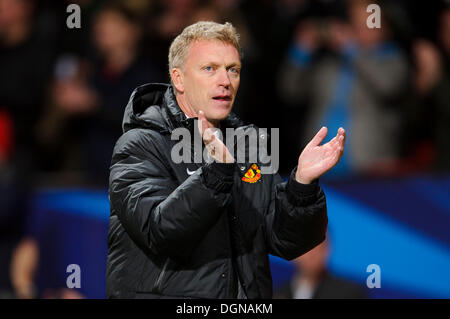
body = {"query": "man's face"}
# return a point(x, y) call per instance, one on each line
point(211, 78)
point(314, 261)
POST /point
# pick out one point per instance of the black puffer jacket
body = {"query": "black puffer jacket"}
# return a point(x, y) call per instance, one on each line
point(172, 234)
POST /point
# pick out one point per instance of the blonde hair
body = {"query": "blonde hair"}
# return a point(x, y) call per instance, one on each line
point(203, 30)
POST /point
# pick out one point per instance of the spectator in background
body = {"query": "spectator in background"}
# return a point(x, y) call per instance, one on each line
point(118, 70)
point(69, 97)
point(25, 62)
point(91, 96)
point(167, 20)
point(12, 206)
point(76, 41)
point(25, 267)
point(430, 118)
point(24, 264)
point(311, 279)
point(442, 94)
point(26, 57)
point(71, 102)
point(354, 85)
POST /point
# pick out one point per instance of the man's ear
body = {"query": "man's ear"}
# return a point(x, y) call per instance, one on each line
point(177, 79)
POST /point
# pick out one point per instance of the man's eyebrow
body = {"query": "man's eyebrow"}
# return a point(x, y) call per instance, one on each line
point(234, 64)
point(217, 64)
point(209, 64)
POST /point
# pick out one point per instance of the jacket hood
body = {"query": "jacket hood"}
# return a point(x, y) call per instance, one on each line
point(154, 106)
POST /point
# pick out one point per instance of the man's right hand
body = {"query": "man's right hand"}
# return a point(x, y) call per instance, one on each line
point(214, 145)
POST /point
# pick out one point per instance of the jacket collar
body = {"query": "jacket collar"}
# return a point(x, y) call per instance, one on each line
point(178, 115)
point(154, 106)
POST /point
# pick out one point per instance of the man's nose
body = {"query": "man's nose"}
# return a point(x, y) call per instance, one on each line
point(224, 79)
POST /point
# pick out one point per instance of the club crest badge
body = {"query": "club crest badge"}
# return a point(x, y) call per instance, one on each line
point(252, 175)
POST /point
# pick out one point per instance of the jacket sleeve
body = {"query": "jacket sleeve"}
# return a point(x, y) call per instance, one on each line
point(157, 213)
point(297, 218)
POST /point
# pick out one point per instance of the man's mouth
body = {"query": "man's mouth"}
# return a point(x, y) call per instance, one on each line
point(223, 98)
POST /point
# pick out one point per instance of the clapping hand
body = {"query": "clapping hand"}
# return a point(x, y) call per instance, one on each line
point(315, 160)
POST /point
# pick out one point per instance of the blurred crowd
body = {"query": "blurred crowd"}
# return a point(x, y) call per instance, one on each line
point(306, 64)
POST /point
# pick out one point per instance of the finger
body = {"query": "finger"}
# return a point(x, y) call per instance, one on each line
point(336, 155)
point(208, 136)
point(334, 141)
point(340, 136)
point(342, 139)
point(339, 139)
point(202, 123)
point(340, 148)
point(318, 138)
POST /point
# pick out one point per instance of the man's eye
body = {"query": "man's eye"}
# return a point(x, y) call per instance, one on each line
point(234, 70)
point(208, 68)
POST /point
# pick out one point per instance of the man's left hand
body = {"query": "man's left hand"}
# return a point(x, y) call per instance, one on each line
point(316, 160)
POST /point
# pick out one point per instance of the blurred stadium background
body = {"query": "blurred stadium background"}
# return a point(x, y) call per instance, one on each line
point(306, 64)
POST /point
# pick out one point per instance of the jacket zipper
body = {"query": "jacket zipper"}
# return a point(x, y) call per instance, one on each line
point(158, 283)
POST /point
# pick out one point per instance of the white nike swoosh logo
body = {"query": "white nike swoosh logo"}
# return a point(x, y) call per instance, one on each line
point(190, 172)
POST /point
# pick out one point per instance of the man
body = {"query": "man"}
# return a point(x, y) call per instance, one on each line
point(178, 234)
point(312, 279)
